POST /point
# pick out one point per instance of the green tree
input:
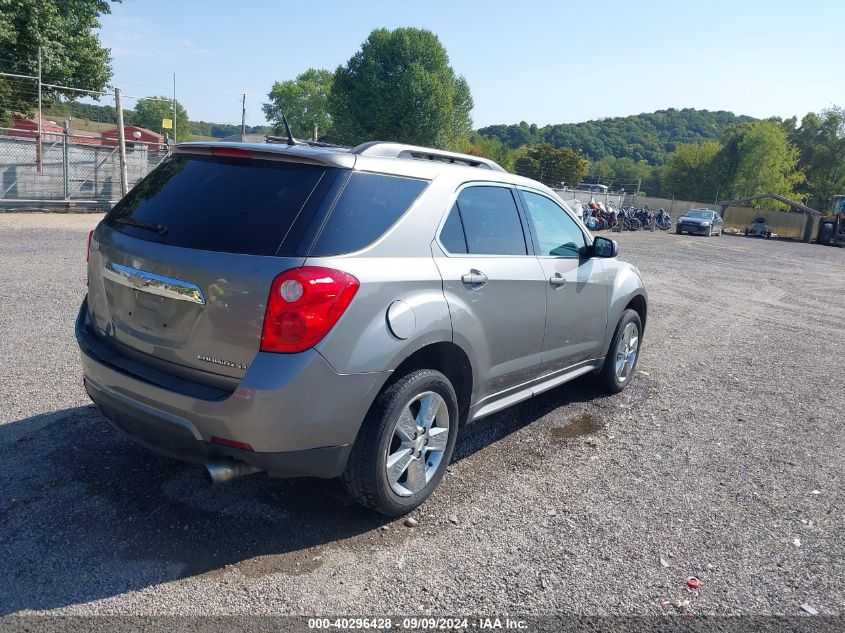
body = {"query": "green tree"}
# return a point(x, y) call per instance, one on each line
point(400, 87)
point(603, 170)
point(552, 167)
point(626, 173)
point(149, 113)
point(690, 171)
point(305, 103)
point(821, 145)
point(767, 161)
point(488, 147)
point(71, 52)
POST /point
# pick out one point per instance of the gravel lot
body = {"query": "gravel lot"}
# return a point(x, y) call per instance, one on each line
point(723, 461)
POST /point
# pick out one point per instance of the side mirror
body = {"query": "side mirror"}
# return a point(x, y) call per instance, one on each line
point(603, 247)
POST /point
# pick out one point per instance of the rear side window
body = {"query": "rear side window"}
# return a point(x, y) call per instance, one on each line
point(216, 204)
point(452, 235)
point(368, 206)
point(491, 221)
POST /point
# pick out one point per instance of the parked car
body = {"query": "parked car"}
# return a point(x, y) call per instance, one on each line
point(758, 228)
point(319, 311)
point(701, 222)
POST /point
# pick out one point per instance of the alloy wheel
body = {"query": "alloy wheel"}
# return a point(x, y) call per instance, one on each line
point(626, 352)
point(417, 444)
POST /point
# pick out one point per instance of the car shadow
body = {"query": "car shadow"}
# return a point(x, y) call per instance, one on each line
point(85, 514)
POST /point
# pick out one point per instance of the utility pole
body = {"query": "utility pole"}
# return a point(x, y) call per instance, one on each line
point(316, 131)
point(39, 161)
point(243, 115)
point(174, 108)
point(637, 195)
point(65, 160)
point(121, 144)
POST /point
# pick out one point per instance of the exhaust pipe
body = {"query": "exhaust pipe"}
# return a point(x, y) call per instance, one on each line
point(226, 469)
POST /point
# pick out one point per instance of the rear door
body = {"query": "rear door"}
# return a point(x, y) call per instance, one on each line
point(575, 286)
point(181, 268)
point(495, 288)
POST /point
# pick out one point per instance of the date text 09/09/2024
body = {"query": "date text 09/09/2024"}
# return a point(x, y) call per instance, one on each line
point(418, 623)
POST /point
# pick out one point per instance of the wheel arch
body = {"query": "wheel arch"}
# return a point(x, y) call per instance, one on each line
point(449, 359)
point(628, 292)
point(639, 304)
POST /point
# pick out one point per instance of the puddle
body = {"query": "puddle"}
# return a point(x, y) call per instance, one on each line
point(583, 424)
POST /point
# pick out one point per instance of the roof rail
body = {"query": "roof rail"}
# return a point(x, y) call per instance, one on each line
point(298, 141)
point(384, 149)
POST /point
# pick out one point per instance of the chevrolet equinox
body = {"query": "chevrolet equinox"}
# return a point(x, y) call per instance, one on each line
point(331, 312)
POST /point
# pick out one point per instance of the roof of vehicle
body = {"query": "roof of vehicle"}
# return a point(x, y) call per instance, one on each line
point(376, 156)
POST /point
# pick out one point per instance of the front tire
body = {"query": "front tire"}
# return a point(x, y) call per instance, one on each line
point(405, 444)
point(621, 361)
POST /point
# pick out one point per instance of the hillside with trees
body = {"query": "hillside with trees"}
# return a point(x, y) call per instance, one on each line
point(687, 154)
point(650, 136)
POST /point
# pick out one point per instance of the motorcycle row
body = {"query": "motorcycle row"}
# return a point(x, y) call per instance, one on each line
point(600, 217)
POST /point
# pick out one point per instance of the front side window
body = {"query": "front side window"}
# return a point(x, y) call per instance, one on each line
point(491, 221)
point(558, 234)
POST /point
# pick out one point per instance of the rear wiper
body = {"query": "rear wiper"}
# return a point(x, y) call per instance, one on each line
point(148, 226)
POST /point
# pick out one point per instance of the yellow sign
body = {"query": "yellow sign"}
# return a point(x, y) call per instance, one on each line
point(167, 124)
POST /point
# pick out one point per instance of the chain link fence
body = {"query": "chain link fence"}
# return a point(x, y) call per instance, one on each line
point(69, 167)
point(56, 150)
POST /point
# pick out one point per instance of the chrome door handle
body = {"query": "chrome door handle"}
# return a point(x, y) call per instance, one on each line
point(474, 278)
point(557, 279)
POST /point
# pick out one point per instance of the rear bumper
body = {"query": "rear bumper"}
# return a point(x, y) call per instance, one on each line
point(298, 414)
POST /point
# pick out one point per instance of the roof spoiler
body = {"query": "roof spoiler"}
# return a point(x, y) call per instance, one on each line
point(268, 151)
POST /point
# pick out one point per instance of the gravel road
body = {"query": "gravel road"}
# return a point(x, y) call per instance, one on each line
point(724, 461)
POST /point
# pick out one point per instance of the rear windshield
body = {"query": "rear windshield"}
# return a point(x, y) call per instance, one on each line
point(217, 204)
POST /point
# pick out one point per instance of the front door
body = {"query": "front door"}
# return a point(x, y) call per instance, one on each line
point(576, 290)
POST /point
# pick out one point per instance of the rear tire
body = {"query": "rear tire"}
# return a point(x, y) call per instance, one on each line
point(610, 380)
point(367, 478)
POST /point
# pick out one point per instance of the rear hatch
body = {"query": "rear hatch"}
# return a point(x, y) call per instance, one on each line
point(181, 268)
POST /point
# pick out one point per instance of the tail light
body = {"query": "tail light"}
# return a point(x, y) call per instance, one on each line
point(88, 251)
point(304, 304)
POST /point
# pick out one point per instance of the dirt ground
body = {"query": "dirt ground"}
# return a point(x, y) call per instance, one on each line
point(724, 461)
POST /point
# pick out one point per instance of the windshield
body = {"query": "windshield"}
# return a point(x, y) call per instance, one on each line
point(700, 213)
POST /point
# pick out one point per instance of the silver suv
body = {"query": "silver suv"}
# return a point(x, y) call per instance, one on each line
point(333, 312)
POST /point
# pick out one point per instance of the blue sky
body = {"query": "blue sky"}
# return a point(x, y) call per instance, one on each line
point(542, 62)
